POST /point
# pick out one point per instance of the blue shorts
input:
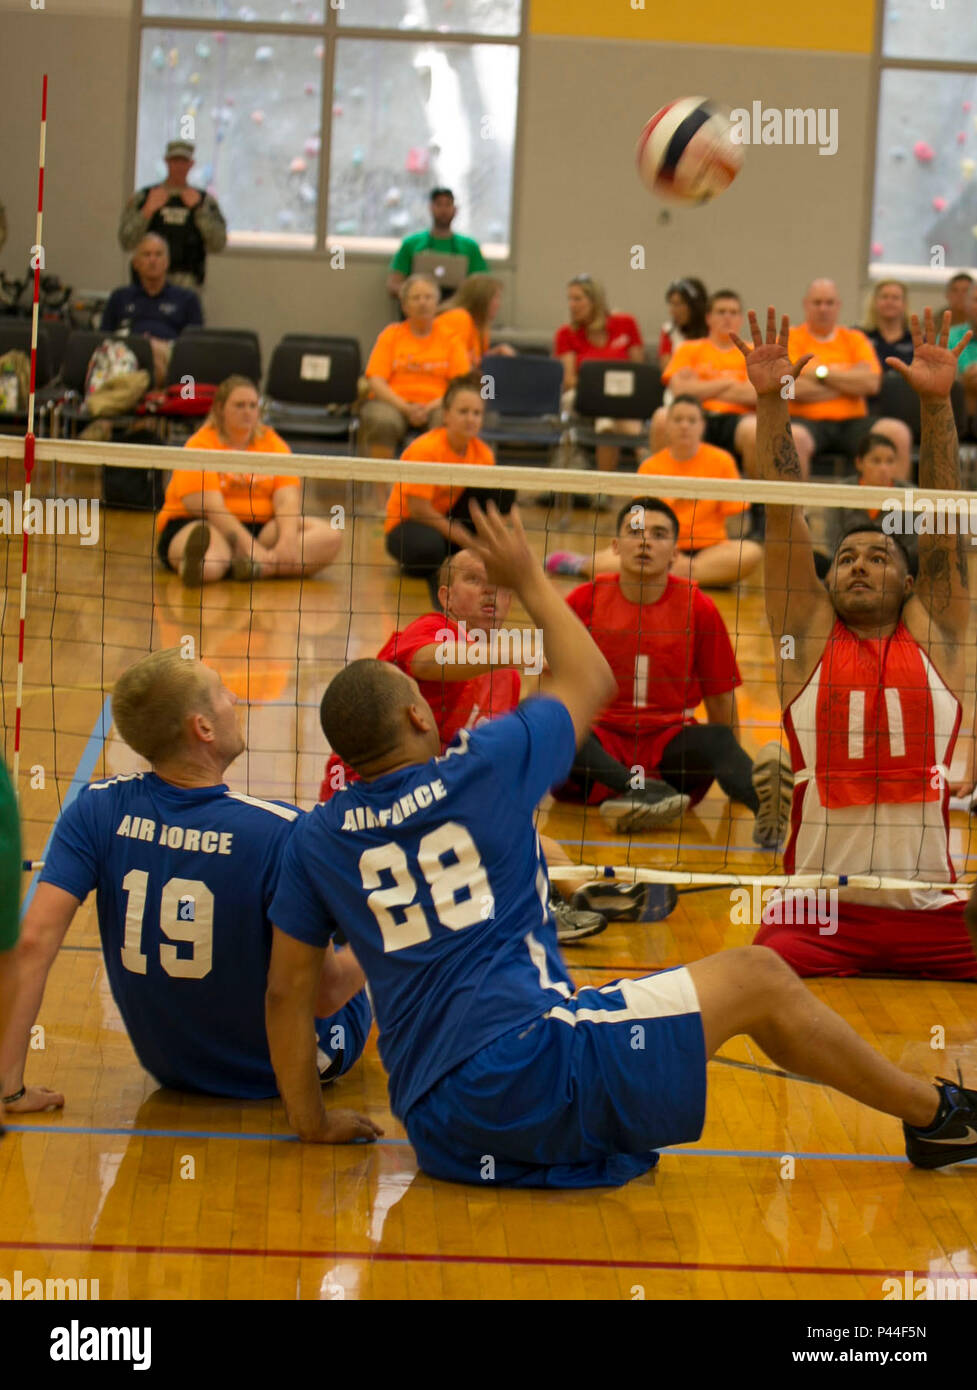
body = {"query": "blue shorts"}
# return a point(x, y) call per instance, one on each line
point(342, 1037)
point(580, 1097)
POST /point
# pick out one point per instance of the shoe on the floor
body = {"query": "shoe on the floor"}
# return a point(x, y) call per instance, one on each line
point(565, 562)
point(573, 923)
point(953, 1139)
point(773, 782)
point(618, 902)
point(643, 810)
point(244, 569)
point(192, 564)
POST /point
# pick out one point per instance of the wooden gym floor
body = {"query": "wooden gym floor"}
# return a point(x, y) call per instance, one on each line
point(792, 1193)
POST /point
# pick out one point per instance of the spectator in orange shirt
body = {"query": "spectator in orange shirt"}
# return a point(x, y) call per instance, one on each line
point(705, 554)
point(425, 522)
point(829, 413)
point(593, 331)
point(244, 523)
point(708, 369)
point(408, 371)
point(686, 300)
point(470, 313)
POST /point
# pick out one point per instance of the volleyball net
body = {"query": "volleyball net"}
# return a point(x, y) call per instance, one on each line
point(99, 598)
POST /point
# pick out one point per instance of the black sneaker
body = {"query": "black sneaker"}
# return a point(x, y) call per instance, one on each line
point(954, 1138)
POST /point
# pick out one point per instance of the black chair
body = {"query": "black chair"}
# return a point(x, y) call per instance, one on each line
point(311, 388)
point(66, 395)
point(618, 391)
point(328, 340)
point(523, 406)
point(244, 339)
point(15, 336)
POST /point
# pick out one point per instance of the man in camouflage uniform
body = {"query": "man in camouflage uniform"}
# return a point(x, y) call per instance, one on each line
point(190, 222)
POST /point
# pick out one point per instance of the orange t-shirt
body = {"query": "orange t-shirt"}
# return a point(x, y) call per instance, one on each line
point(710, 363)
point(432, 447)
point(418, 369)
point(461, 325)
point(701, 521)
point(847, 347)
point(247, 496)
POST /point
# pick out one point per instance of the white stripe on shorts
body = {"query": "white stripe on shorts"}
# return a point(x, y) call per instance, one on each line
point(655, 996)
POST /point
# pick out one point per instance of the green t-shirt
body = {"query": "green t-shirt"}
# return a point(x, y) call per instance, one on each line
point(10, 863)
point(453, 245)
point(969, 355)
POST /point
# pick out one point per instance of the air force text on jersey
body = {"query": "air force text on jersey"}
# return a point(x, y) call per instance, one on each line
point(176, 836)
point(365, 818)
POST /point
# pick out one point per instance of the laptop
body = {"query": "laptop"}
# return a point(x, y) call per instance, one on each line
point(448, 270)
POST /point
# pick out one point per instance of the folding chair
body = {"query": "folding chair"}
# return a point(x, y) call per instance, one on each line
point(312, 387)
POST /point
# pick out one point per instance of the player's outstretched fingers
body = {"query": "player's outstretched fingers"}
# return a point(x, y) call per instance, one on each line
point(36, 1098)
point(346, 1127)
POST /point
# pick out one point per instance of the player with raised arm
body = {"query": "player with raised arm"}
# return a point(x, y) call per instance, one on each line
point(500, 1070)
point(871, 667)
point(185, 871)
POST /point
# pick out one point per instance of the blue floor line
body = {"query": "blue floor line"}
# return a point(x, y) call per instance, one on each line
point(83, 772)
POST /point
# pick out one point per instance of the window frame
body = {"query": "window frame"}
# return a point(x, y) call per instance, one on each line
point(328, 32)
point(876, 271)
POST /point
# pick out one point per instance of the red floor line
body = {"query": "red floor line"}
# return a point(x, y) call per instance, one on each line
point(418, 1257)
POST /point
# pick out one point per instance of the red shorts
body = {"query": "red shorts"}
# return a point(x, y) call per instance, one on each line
point(632, 750)
point(930, 945)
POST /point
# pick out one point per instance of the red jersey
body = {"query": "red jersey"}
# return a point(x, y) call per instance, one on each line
point(871, 738)
point(622, 334)
point(666, 656)
point(455, 704)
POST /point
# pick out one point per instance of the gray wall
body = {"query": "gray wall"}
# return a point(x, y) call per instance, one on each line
point(579, 206)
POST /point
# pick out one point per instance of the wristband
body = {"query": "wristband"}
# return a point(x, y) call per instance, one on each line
point(17, 1095)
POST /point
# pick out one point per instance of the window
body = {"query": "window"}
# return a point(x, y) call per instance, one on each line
point(924, 221)
point(381, 100)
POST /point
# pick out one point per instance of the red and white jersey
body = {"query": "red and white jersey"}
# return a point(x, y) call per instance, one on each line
point(871, 739)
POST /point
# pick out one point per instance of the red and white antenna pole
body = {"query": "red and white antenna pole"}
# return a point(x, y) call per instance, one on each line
point(29, 437)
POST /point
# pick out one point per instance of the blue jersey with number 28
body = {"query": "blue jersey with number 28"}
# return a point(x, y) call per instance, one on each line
point(435, 875)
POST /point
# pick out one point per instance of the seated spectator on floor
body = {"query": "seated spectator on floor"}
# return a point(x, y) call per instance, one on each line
point(449, 653)
point(887, 322)
point(711, 370)
point(829, 409)
point(408, 372)
point(593, 331)
point(706, 554)
point(967, 367)
point(439, 240)
point(246, 524)
point(470, 313)
point(152, 305)
point(875, 466)
point(425, 523)
point(957, 289)
point(686, 300)
point(648, 758)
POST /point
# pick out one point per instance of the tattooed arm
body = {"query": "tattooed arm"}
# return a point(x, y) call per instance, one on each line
point(941, 587)
point(795, 597)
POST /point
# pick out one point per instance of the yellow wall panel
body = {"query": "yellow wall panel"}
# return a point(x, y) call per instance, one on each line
point(839, 26)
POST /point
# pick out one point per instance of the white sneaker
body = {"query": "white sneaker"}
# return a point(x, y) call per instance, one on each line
point(639, 811)
point(773, 782)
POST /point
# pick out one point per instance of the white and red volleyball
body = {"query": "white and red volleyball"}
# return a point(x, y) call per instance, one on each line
point(687, 153)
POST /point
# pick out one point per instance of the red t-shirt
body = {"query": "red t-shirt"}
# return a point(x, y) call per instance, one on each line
point(666, 656)
point(455, 704)
point(622, 334)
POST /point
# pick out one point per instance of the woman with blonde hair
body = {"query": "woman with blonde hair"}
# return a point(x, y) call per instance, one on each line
point(887, 322)
point(593, 331)
point(244, 523)
point(469, 314)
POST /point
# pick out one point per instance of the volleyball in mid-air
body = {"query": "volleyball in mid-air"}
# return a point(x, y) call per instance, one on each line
point(686, 152)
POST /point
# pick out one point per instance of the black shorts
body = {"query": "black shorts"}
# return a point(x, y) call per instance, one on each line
point(176, 525)
point(720, 429)
point(836, 436)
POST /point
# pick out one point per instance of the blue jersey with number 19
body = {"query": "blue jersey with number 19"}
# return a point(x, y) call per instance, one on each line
point(185, 877)
point(436, 877)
